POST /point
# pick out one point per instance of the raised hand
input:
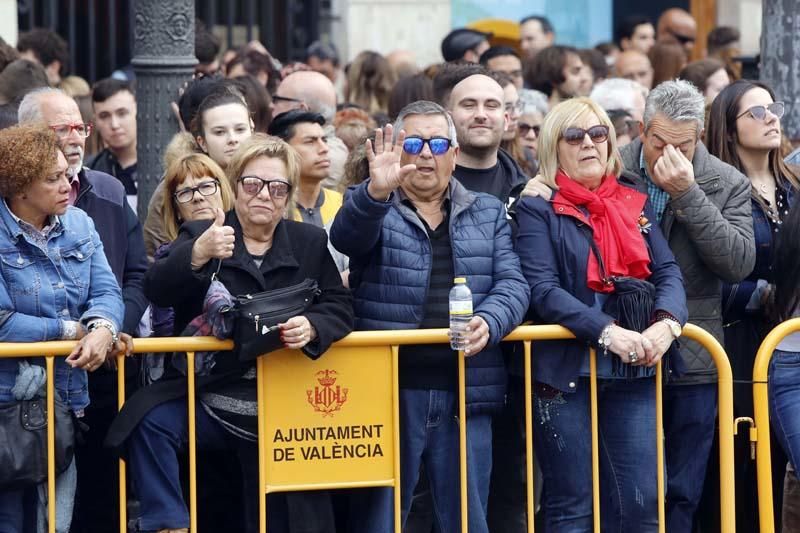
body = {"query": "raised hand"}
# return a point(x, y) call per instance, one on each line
point(215, 243)
point(385, 171)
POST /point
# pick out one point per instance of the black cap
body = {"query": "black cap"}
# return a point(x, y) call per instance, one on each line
point(460, 40)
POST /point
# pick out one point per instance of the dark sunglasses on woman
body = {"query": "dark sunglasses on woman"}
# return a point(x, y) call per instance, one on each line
point(759, 112)
point(252, 185)
point(414, 145)
point(598, 134)
point(524, 129)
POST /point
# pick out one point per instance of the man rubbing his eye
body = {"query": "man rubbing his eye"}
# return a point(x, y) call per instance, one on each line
point(703, 207)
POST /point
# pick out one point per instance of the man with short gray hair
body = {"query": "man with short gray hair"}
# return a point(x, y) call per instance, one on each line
point(409, 229)
point(703, 207)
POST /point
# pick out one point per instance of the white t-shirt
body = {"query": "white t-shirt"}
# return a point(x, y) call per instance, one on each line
point(791, 343)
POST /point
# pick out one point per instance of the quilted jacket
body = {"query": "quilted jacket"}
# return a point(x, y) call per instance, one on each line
point(710, 231)
point(390, 262)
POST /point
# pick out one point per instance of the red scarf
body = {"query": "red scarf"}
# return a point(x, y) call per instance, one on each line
point(614, 213)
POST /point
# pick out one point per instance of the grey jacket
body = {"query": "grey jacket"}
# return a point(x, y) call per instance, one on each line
point(710, 231)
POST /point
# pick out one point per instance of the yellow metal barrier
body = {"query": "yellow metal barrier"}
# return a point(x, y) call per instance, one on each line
point(393, 339)
point(760, 434)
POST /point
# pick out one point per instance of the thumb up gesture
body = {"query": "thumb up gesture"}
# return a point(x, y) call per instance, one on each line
point(215, 243)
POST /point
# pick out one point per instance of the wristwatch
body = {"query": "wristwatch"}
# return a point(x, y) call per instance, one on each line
point(102, 323)
point(674, 326)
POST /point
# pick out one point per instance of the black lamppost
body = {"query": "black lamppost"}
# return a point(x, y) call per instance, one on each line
point(780, 47)
point(163, 61)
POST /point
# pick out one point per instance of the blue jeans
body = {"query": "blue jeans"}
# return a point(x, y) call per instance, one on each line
point(11, 511)
point(153, 459)
point(562, 438)
point(429, 435)
point(784, 402)
point(690, 413)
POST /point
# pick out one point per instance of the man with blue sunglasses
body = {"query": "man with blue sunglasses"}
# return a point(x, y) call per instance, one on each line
point(409, 230)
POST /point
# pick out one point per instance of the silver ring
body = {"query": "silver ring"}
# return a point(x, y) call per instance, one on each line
point(633, 357)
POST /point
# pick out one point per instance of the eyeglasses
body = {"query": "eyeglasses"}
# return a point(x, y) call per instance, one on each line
point(63, 130)
point(514, 109)
point(759, 112)
point(524, 129)
point(279, 98)
point(207, 188)
point(252, 185)
point(598, 134)
point(438, 145)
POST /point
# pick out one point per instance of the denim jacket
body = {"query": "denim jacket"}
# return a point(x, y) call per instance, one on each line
point(41, 288)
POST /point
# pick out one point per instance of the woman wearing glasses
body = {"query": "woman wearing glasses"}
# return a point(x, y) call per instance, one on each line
point(195, 188)
point(255, 249)
point(534, 108)
point(579, 251)
point(744, 130)
point(511, 142)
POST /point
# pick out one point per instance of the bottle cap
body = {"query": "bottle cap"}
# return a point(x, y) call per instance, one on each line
point(460, 280)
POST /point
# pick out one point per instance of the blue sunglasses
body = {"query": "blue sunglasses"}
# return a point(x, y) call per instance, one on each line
point(438, 145)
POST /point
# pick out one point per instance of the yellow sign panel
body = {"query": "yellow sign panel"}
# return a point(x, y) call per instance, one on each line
point(331, 421)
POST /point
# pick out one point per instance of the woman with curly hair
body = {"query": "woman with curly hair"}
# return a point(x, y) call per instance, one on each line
point(55, 284)
point(370, 80)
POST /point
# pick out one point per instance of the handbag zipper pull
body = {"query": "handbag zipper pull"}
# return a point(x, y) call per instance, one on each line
point(256, 319)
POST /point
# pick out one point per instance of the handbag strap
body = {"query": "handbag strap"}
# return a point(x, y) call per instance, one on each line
point(215, 275)
point(589, 234)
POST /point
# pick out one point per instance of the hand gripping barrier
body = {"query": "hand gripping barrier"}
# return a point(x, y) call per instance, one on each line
point(760, 434)
point(357, 445)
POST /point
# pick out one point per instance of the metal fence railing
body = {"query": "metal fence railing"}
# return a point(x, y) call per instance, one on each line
point(759, 434)
point(362, 370)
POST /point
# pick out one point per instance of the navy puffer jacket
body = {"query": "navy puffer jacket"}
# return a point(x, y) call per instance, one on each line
point(390, 262)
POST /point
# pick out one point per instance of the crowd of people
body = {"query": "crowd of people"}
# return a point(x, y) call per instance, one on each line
point(620, 191)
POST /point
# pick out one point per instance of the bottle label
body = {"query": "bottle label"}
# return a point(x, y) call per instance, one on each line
point(461, 308)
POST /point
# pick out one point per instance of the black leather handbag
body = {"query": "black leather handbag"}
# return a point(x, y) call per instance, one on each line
point(23, 430)
point(257, 317)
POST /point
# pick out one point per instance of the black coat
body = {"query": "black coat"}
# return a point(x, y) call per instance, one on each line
point(299, 251)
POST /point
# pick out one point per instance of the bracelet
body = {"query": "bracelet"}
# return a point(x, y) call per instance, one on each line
point(605, 338)
point(69, 329)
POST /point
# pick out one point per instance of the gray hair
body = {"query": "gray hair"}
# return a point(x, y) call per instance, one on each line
point(425, 107)
point(617, 93)
point(30, 110)
point(533, 101)
point(678, 101)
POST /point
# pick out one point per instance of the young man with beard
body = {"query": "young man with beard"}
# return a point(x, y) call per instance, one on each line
point(477, 104)
point(303, 131)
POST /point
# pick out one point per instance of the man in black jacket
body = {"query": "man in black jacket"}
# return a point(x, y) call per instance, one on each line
point(103, 198)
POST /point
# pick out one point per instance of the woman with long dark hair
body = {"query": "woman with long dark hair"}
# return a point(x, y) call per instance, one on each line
point(744, 130)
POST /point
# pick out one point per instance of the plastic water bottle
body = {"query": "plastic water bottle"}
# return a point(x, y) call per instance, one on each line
point(460, 313)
